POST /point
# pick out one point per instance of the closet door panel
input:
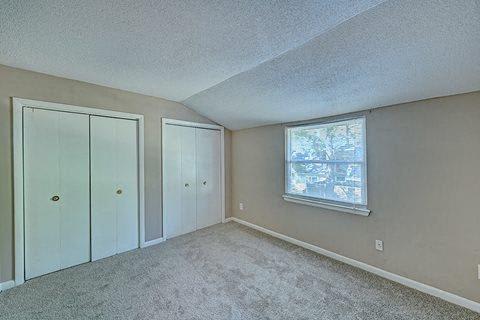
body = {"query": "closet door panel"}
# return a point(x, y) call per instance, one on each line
point(74, 189)
point(114, 172)
point(179, 180)
point(42, 182)
point(208, 177)
point(126, 157)
point(56, 165)
point(103, 183)
point(189, 179)
point(173, 186)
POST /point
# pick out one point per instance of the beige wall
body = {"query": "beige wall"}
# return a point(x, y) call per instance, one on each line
point(36, 86)
point(424, 191)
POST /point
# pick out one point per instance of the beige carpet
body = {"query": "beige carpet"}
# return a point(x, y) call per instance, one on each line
point(222, 272)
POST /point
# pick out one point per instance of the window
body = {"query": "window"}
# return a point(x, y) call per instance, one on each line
point(326, 163)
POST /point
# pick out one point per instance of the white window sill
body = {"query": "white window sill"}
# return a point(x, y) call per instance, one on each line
point(326, 205)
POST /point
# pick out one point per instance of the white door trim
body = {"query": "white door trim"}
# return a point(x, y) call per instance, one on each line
point(166, 121)
point(18, 105)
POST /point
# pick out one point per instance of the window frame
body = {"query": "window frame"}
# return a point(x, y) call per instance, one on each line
point(360, 209)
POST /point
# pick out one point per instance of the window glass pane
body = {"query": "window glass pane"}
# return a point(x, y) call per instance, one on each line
point(327, 161)
point(332, 141)
point(336, 182)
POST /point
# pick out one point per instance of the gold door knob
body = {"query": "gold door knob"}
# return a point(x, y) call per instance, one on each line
point(55, 198)
point(119, 191)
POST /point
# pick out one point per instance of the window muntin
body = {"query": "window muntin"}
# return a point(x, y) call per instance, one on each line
point(327, 162)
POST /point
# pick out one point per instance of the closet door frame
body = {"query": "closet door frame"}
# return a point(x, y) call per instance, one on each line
point(18, 183)
point(167, 121)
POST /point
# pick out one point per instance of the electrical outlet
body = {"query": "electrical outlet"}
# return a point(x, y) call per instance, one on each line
point(240, 206)
point(379, 245)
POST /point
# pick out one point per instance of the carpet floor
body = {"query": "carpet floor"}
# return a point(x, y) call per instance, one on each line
point(222, 272)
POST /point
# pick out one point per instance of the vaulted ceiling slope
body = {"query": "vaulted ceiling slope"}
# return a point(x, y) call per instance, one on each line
point(172, 49)
point(397, 52)
point(250, 63)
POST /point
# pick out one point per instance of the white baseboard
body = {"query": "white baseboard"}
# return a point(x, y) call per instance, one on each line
point(7, 285)
point(447, 296)
point(227, 220)
point(152, 242)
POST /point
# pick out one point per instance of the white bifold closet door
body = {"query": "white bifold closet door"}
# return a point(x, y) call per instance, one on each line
point(208, 166)
point(192, 179)
point(114, 186)
point(180, 180)
point(56, 192)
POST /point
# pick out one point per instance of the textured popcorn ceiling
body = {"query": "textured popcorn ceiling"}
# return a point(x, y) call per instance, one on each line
point(249, 63)
point(397, 52)
point(172, 49)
